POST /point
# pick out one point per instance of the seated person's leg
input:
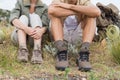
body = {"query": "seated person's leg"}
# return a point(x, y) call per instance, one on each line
point(36, 23)
point(89, 26)
point(19, 37)
point(60, 44)
point(56, 14)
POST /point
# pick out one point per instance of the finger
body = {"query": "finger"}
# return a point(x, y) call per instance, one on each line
point(33, 33)
point(36, 36)
point(33, 36)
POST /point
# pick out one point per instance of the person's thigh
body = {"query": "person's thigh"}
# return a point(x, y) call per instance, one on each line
point(50, 29)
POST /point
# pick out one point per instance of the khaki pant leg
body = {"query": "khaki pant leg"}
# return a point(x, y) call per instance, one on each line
point(35, 20)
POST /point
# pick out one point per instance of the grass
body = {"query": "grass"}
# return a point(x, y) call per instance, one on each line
point(115, 50)
point(104, 67)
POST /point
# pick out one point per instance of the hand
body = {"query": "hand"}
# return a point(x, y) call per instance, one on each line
point(38, 33)
point(29, 31)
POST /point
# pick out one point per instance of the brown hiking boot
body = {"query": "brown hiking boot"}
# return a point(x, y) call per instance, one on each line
point(36, 57)
point(62, 60)
point(83, 61)
point(23, 55)
point(62, 55)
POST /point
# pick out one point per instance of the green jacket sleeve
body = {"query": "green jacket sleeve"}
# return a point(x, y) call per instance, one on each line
point(45, 19)
point(15, 13)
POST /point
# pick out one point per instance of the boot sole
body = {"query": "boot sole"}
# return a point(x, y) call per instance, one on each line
point(84, 69)
point(61, 68)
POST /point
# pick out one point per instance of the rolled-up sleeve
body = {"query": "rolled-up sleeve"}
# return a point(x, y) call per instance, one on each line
point(57, 1)
point(84, 2)
point(15, 13)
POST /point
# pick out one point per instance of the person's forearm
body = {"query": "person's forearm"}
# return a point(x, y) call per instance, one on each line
point(90, 11)
point(17, 23)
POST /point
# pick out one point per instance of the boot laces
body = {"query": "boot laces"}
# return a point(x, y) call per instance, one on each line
point(36, 53)
point(23, 51)
point(62, 55)
point(84, 56)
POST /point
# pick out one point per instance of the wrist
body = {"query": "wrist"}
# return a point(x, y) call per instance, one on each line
point(24, 28)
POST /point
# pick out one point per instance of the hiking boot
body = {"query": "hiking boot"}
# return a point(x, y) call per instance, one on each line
point(83, 61)
point(36, 57)
point(62, 60)
point(23, 55)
